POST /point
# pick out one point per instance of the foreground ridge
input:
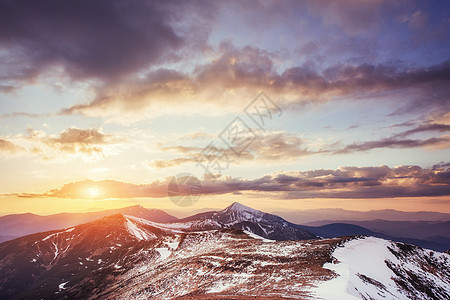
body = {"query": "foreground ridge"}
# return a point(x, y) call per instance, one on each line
point(127, 257)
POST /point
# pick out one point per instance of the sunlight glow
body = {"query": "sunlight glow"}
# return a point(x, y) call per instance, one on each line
point(93, 191)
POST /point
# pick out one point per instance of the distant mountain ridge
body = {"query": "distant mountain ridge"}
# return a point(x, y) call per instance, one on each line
point(410, 229)
point(332, 230)
point(235, 216)
point(305, 217)
point(16, 225)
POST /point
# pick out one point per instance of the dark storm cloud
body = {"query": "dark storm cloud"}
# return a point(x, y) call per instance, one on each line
point(90, 39)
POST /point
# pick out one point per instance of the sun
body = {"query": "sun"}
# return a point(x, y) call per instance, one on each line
point(93, 192)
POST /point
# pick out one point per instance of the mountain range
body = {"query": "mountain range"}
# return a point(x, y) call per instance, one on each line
point(218, 255)
point(426, 230)
point(17, 225)
point(308, 216)
point(432, 235)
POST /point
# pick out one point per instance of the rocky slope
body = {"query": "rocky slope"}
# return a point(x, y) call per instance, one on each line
point(238, 216)
point(125, 257)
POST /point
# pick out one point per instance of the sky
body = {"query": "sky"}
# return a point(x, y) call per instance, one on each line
point(276, 104)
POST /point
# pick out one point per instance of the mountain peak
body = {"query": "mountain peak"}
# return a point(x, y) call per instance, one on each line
point(116, 220)
point(236, 206)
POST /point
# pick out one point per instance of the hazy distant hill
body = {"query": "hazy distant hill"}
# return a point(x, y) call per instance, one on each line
point(16, 225)
point(409, 229)
point(429, 234)
point(338, 214)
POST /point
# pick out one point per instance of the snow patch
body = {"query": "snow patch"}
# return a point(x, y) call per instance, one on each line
point(137, 232)
point(241, 208)
point(56, 250)
point(168, 227)
point(220, 287)
point(164, 252)
point(56, 234)
point(62, 286)
point(255, 236)
point(172, 245)
point(363, 257)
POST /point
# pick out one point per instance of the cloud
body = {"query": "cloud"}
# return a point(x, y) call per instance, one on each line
point(269, 147)
point(20, 114)
point(236, 74)
point(400, 140)
point(344, 182)
point(168, 163)
point(103, 40)
point(141, 59)
point(285, 147)
point(280, 146)
point(351, 15)
point(443, 142)
point(105, 189)
point(89, 144)
point(426, 128)
point(197, 135)
point(75, 140)
point(100, 170)
point(7, 146)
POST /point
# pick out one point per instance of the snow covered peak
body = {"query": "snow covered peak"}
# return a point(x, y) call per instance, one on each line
point(236, 206)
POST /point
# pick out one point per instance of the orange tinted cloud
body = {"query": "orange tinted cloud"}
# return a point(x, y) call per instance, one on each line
point(273, 147)
point(344, 182)
point(70, 143)
point(267, 147)
point(235, 74)
point(7, 146)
